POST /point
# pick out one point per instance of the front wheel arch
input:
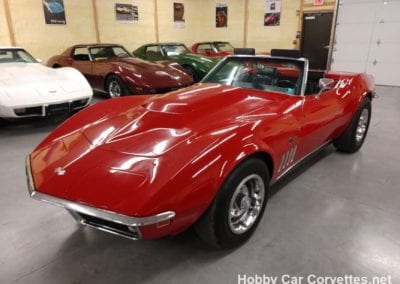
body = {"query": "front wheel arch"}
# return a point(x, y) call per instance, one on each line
point(213, 225)
point(124, 88)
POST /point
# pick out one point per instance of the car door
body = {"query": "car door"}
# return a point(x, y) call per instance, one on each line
point(80, 60)
point(323, 115)
point(100, 56)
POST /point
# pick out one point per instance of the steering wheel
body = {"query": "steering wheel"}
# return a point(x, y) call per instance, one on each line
point(286, 84)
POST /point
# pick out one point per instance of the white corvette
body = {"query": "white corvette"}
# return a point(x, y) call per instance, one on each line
point(28, 88)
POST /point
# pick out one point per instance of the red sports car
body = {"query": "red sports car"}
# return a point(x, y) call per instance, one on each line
point(144, 167)
point(111, 68)
point(213, 48)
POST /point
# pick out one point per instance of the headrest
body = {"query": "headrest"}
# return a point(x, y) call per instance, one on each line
point(292, 53)
point(244, 51)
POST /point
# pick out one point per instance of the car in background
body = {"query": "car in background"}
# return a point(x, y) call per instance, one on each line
point(196, 65)
point(111, 68)
point(144, 167)
point(28, 88)
point(213, 48)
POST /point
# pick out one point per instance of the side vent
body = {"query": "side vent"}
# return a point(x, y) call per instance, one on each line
point(287, 158)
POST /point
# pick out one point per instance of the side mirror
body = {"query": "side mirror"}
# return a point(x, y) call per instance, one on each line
point(325, 84)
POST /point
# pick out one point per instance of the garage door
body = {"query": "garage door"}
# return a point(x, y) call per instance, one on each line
point(367, 39)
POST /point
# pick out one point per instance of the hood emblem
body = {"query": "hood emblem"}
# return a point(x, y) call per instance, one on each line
point(60, 171)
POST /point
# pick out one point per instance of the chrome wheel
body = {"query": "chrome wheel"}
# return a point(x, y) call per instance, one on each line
point(246, 204)
point(362, 125)
point(114, 89)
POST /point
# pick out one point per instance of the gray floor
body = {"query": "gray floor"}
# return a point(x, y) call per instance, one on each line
point(338, 215)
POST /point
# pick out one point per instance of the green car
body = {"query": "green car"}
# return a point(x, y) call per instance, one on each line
point(196, 65)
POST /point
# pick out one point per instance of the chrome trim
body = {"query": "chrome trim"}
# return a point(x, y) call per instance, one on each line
point(282, 162)
point(305, 77)
point(301, 160)
point(75, 208)
point(285, 163)
point(292, 154)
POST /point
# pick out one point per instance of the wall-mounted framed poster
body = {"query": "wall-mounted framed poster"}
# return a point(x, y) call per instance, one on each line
point(179, 15)
point(54, 12)
point(221, 15)
point(126, 13)
point(272, 15)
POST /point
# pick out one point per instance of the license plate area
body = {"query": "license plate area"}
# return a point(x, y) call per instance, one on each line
point(57, 109)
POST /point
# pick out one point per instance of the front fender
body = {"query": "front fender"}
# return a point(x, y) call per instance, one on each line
point(192, 189)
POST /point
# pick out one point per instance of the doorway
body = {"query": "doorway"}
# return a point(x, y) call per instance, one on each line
point(316, 38)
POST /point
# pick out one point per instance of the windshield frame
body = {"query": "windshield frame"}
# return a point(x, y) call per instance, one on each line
point(33, 60)
point(301, 62)
point(93, 57)
point(226, 43)
point(162, 46)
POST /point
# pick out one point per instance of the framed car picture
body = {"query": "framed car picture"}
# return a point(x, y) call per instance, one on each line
point(54, 13)
point(179, 15)
point(126, 13)
point(272, 15)
point(221, 15)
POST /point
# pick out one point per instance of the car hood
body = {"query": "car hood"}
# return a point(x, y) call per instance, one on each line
point(134, 139)
point(158, 123)
point(154, 75)
point(19, 80)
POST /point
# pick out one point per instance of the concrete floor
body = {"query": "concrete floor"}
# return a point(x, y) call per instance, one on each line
point(338, 215)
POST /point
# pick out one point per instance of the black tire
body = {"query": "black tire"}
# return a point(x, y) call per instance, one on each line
point(56, 66)
point(351, 140)
point(215, 227)
point(192, 73)
point(115, 87)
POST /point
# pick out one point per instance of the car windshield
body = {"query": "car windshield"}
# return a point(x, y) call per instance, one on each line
point(177, 49)
point(261, 73)
point(15, 55)
point(106, 52)
point(224, 46)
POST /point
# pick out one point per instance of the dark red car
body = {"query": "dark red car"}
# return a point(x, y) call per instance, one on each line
point(213, 48)
point(111, 68)
point(151, 166)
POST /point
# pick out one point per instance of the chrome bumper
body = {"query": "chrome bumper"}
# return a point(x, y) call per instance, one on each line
point(104, 220)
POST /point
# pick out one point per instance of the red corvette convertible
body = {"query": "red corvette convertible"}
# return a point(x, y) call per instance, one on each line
point(111, 68)
point(144, 167)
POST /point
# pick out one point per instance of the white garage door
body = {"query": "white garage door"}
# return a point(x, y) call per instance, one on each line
point(367, 39)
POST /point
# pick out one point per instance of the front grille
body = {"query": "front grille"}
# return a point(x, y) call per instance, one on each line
point(29, 111)
point(109, 226)
point(52, 109)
